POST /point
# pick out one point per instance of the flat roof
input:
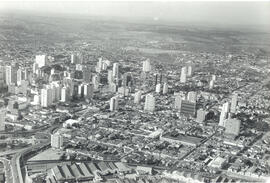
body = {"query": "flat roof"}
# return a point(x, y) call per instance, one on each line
point(48, 154)
point(182, 138)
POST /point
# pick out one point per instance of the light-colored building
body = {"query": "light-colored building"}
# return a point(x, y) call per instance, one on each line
point(79, 67)
point(123, 91)
point(234, 102)
point(189, 71)
point(218, 162)
point(177, 102)
point(76, 58)
point(11, 75)
point(183, 77)
point(81, 90)
point(116, 70)
point(95, 81)
point(114, 103)
point(158, 88)
point(192, 96)
point(201, 115)
point(20, 76)
point(2, 119)
point(150, 103)
point(214, 77)
point(56, 141)
point(88, 91)
point(137, 97)
point(165, 88)
point(46, 97)
point(2, 76)
point(41, 60)
point(232, 126)
point(224, 113)
point(65, 94)
point(110, 76)
point(146, 66)
point(211, 84)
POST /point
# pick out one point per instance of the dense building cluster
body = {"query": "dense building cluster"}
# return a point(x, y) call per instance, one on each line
point(90, 112)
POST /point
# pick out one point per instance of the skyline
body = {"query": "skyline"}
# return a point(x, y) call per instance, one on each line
point(204, 13)
point(134, 92)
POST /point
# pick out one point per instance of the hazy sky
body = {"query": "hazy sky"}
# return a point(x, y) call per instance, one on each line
point(243, 13)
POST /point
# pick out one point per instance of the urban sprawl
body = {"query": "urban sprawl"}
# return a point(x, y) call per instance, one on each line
point(72, 118)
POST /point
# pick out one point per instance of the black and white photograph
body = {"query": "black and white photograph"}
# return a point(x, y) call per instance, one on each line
point(126, 91)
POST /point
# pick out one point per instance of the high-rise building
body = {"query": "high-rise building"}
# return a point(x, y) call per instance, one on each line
point(81, 90)
point(41, 60)
point(158, 88)
point(226, 106)
point(56, 91)
point(72, 58)
point(165, 88)
point(11, 75)
point(158, 79)
point(211, 84)
point(20, 76)
point(177, 102)
point(65, 94)
point(224, 114)
point(232, 126)
point(200, 115)
point(88, 91)
point(183, 77)
point(110, 77)
point(113, 87)
point(127, 80)
point(192, 96)
point(214, 77)
point(2, 119)
point(123, 91)
point(99, 65)
point(2, 76)
point(150, 103)
point(137, 97)
point(189, 71)
point(95, 81)
point(187, 107)
point(35, 68)
point(56, 141)
point(76, 58)
point(114, 103)
point(46, 97)
point(24, 88)
point(234, 103)
point(104, 66)
point(146, 66)
point(116, 70)
point(86, 74)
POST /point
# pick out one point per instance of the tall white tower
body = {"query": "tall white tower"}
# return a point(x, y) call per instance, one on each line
point(116, 70)
point(183, 77)
point(114, 103)
point(149, 103)
point(146, 66)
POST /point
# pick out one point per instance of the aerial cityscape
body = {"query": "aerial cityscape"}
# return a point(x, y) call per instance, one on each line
point(95, 99)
